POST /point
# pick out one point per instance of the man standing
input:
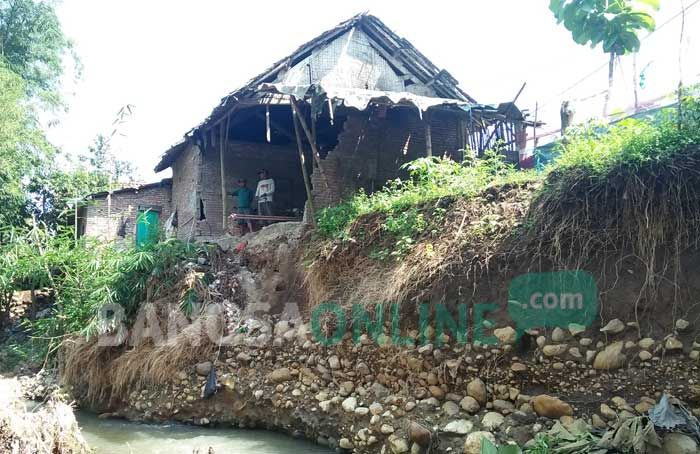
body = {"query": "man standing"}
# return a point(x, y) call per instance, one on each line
point(264, 193)
point(243, 197)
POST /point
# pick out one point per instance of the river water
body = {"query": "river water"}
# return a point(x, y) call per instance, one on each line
point(116, 436)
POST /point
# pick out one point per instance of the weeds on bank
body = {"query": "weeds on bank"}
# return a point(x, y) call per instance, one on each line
point(417, 205)
point(86, 277)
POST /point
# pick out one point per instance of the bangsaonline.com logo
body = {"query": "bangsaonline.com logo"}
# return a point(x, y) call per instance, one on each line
point(535, 300)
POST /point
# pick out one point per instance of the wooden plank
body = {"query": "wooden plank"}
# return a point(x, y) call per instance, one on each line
point(256, 217)
point(428, 136)
point(223, 139)
point(304, 173)
point(309, 137)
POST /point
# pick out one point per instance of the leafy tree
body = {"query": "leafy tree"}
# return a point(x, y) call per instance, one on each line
point(615, 23)
point(33, 45)
point(57, 188)
point(23, 149)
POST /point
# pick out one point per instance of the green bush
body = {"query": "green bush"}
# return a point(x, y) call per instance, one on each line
point(86, 276)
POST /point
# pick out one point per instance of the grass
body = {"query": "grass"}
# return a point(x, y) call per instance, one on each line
point(417, 205)
point(628, 191)
point(87, 277)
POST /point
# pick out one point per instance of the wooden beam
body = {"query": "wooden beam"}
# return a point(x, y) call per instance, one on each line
point(223, 139)
point(428, 136)
point(309, 137)
point(304, 173)
point(280, 129)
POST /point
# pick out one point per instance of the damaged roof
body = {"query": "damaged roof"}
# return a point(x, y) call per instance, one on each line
point(403, 58)
point(142, 187)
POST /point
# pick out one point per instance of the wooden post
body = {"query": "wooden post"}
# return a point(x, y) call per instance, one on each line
point(428, 136)
point(303, 167)
point(75, 220)
point(222, 144)
point(312, 142)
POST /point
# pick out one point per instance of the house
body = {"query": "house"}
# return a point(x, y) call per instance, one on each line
point(126, 213)
point(341, 113)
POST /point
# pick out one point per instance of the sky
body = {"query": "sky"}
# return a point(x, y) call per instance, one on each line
point(174, 60)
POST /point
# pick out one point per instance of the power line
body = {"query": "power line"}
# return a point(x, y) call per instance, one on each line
point(604, 65)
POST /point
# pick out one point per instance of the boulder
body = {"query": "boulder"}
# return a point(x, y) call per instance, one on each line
point(472, 445)
point(555, 350)
point(469, 404)
point(492, 420)
point(458, 427)
point(419, 434)
point(673, 343)
point(398, 445)
point(349, 404)
point(280, 375)
point(506, 335)
point(614, 326)
point(477, 389)
point(558, 335)
point(611, 358)
point(676, 443)
point(203, 368)
point(450, 408)
point(551, 407)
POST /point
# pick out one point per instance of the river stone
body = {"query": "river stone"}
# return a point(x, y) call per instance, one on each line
point(558, 335)
point(398, 445)
point(614, 326)
point(682, 325)
point(518, 367)
point(611, 358)
point(458, 427)
point(419, 434)
point(676, 443)
point(280, 375)
point(646, 343)
point(472, 445)
point(673, 343)
point(203, 368)
point(492, 420)
point(436, 392)
point(334, 362)
point(503, 406)
point(349, 404)
point(386, 429)
point(345, 443)
point(477, 389)
point(541, 341)
point(550, 407)
point(607, 412)
point(450, 408)
point(376, 408)
point(575, 329)
point(469, 404)
point(645, 355)
point(506, 335)
point(555, 350)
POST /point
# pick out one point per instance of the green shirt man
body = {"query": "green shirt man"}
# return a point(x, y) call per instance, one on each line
point(243, 198)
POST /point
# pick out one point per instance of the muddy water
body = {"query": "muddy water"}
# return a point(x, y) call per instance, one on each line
point(114, 436)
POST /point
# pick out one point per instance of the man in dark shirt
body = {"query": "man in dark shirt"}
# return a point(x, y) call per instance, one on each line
point(243, 198)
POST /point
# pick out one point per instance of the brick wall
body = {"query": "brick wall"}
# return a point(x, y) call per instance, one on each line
point(184, 193)
point(371, 149)
point(243, 160)
point(121, 222)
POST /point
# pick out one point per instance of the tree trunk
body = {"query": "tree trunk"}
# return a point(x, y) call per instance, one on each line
point(611, 73)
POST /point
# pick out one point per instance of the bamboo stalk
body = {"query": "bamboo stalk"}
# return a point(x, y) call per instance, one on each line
point(304, 173)
point(309, 137)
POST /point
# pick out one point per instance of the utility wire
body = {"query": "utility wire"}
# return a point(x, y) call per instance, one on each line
point(604, 65)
